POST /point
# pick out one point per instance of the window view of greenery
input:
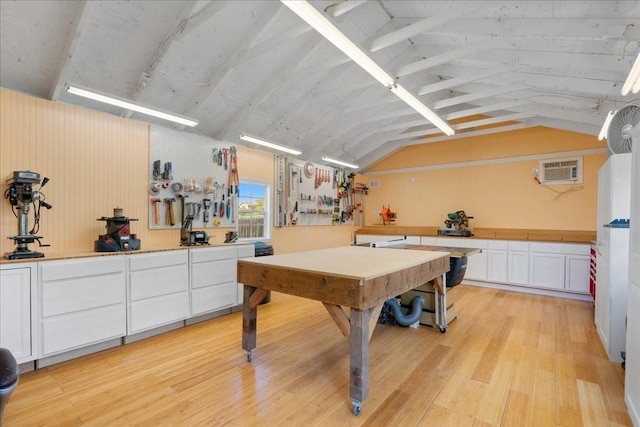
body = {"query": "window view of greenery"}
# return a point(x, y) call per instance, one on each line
point(253, 211)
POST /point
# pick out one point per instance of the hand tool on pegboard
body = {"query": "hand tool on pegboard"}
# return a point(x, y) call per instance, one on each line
point(171, 219)
point(181, 207)
point(233, 181)
point(156, 213)
point(206, 204)
point(156, 169)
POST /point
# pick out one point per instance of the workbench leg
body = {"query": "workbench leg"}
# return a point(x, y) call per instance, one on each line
point(359, 357)
point(249, 321)
point(441, 304)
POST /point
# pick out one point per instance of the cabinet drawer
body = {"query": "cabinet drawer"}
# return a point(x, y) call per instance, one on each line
point(154, 312)
point(500, 245)
point(57, 270)
point(519, 246)
point(157, 260)
point(80, 329)
point(428, 240)
point(213, 273)
point(560, 248)
point(158, 281)
point(82, 293)
point(213, 298)
point(212, 254)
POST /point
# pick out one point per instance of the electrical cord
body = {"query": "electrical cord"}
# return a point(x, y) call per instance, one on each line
point(568, 190)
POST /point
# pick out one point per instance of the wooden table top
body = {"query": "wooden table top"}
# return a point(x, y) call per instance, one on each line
point(359, 263)
point(353, 276)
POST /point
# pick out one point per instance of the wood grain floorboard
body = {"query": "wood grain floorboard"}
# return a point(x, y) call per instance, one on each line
point(509, 359)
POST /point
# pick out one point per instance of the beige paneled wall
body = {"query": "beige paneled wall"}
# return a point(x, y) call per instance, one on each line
point(497, 195)
point(96, 162)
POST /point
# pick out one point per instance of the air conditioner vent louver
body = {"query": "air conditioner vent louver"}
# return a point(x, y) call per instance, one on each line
point(557, 172)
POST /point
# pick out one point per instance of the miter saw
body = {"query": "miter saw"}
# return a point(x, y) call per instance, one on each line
point(456, 224)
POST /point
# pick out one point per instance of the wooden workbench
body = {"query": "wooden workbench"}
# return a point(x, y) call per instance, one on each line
point(360, 278)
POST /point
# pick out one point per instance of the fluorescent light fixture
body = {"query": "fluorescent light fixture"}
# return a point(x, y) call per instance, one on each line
point(632, 84)
point(415, 103)
point(118, 102)
point(322, 25)
point(255, 140)
point(340, 162)
point(605, 125)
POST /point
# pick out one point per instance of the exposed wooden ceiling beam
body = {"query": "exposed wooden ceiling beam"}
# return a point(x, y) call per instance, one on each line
point(462, 99)
point(231, 128)
point(457, 81)
point(448, 56)
point(416, 28)
point(568, 28)
point(239, 52)
point(82, 12)
point(337, 9)
point(462, 126)
point(183, 24)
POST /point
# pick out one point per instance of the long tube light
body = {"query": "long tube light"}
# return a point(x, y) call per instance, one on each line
point(322, 25)
point(118, 102)
point(255, 140)
point(340, 162)
point(605, 125)
point(632, 84)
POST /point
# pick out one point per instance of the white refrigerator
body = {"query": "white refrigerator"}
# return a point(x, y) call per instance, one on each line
point(632, 372)
point(614, 193)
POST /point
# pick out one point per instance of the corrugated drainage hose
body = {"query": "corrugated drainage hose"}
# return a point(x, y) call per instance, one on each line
point(406, 319)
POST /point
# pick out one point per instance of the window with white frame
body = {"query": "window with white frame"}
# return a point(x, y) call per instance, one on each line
point(254, 207)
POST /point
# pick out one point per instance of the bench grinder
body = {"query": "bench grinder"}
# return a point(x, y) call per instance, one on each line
point(187, 236)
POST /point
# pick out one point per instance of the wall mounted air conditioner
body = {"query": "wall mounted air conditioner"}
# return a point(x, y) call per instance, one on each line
point(561, 171)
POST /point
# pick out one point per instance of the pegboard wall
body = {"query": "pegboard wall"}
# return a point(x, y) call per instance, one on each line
point(308, 193)
point(187, 172)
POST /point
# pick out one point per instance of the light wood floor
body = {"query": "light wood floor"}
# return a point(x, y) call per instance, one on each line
point(509, 359)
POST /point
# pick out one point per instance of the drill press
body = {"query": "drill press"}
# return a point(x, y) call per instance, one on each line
point(21, 195)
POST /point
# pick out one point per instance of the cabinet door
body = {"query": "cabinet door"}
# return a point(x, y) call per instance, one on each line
point(632, 375)
point(15, 312)
point(477, 267)
point(577, 273)
point(519, 268)
point(547, 270)
point(497, 266)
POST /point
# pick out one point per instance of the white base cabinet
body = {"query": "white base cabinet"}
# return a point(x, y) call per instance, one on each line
point(560, 266)
point(17, 310)
point(82, 302)
point(158, 291)
point(214, 275)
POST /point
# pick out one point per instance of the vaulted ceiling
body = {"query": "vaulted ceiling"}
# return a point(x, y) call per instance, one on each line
point(255, 67)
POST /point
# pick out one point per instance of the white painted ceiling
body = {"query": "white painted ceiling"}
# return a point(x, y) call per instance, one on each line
point(255, 67)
